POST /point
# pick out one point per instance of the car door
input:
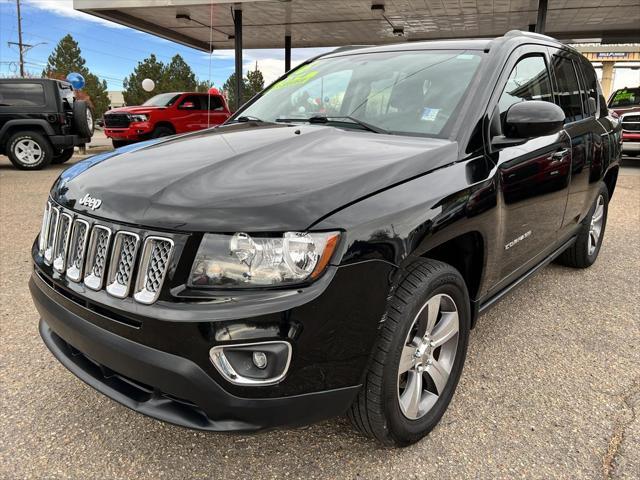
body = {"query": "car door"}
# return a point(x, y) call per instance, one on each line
point(570, 94)
point(189, 114)
point(532, 176)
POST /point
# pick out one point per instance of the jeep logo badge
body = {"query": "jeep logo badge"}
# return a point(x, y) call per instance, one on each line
point(90, 202)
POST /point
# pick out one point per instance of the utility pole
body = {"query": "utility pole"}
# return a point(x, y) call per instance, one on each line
point(20, 47)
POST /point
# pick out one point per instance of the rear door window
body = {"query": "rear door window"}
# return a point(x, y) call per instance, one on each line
point(20, 94)
point(568, 90)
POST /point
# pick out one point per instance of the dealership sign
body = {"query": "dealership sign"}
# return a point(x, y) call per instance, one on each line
point(613, 55)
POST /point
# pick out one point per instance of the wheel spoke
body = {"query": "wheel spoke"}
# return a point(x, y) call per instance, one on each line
point(445, 329)
point(407, 359)
point(438, 374)
point(597, 214)
point(410, 399)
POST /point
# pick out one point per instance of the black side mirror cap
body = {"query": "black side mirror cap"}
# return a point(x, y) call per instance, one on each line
point(533, 118)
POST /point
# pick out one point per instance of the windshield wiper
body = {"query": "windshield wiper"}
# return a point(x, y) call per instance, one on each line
point(248, 118)
point(331, 118)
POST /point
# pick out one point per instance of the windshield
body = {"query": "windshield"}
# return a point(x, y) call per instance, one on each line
point(162, 100)
point(626, 97)
point(414, 92)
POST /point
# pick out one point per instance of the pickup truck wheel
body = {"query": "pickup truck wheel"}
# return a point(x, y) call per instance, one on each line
point(63, 156)
point(584, 251)
point(161, 132)
point(418, 359)
point(29, 150)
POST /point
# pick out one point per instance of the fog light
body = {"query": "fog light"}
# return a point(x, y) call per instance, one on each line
point(260, 360)
point(244, 364)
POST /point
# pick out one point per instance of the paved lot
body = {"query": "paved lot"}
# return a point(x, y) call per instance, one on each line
point(551, 388)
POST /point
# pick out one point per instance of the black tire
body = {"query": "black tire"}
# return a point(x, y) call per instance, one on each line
point(63, 156)
point(83, 119)
point(162, 131)
point(13, 150)
point(578, 255)
point(376, 412)
point(119, 143)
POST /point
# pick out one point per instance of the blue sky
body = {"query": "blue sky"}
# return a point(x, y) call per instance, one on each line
point(112, 51)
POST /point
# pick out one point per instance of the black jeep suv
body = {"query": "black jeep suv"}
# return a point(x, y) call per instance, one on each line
point(329, 249)
point(41, 122)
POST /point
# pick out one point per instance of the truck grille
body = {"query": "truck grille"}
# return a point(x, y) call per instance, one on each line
point(631, 123)
point(116, 120)
point(87, 253)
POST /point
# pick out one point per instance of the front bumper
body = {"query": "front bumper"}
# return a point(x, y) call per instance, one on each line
point(630, 146)
point(135, 131)
point(160, 367)
point(167, 386)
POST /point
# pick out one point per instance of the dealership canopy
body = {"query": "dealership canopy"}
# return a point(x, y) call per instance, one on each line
point(225, 24)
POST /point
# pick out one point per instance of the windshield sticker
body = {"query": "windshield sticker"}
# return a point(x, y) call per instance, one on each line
point(429, 114)
point(466, 56)
point(623, 95)
point(299, 77)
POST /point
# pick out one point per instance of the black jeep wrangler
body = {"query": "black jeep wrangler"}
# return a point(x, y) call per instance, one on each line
point(41, 122)
point(329, 249)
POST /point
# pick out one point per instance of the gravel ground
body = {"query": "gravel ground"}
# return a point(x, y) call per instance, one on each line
point(551, 388)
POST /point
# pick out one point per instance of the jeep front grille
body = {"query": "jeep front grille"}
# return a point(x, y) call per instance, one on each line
point(156, 255)
point(104, 255)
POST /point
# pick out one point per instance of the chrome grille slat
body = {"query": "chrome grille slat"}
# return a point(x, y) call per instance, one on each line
point(52, 227)
point(44, 229)
point(154, 263)
point(123, 258)
point(61, 242)
point(97, 256)
point(77, 248)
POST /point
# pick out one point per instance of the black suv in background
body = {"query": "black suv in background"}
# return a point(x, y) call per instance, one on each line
point(41, 122)
point(330, 247)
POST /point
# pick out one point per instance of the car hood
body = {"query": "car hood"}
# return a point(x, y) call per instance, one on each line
point(139, 109)
point(246, 177)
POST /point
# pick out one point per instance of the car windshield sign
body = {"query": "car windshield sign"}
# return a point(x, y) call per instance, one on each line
point(412, 92)
point(627, 97)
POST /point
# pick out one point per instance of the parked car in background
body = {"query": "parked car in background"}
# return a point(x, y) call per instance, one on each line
point(163, 115)
point(313, 258)
point(41, 121)
point(626, 103)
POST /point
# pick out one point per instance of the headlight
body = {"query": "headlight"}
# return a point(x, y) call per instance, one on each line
point(139, 117)
point(242, 260)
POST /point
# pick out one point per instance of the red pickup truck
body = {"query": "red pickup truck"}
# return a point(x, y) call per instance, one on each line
point(165, 114)
point(626, 103)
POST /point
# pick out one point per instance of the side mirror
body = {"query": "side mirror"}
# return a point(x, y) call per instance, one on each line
point(188, 106)
point(529, 119)
point(593, 105)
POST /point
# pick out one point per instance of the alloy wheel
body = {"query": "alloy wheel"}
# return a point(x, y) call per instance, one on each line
point(428, 356)
point(28, 151)
point(595, 228)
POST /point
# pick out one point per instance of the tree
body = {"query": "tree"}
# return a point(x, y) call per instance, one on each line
point(252, 84)
point(148, 68)
point(229, 88)
point(255, 82)
point(177, 76)
point(67, 58)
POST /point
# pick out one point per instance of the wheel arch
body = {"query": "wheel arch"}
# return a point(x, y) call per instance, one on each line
point(165, 123)
point(14, 126)
point(610, 180)
point(465, 253)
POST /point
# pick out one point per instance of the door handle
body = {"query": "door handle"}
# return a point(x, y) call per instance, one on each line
point(558, 157)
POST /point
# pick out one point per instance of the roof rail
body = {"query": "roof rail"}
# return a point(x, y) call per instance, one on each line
point(521, 33)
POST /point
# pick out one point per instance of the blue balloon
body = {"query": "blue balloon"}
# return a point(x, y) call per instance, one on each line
point(76, 80)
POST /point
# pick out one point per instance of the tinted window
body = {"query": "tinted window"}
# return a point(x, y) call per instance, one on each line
point(21, 94)
point(589, 88)
point(215, 102)
point(529, 80)
point(568, 94)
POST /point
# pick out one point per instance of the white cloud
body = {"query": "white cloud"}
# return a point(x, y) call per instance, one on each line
point(65, 8)
point(270, 60)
